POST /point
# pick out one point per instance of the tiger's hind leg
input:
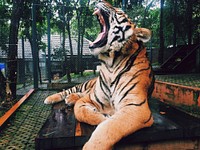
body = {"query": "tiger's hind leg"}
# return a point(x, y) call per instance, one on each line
point(85, 111)
point(119, 125)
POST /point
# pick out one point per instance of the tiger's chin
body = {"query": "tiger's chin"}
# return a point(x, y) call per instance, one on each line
point(97, 51)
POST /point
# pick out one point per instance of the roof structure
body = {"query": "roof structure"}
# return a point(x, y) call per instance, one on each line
point(55, 43)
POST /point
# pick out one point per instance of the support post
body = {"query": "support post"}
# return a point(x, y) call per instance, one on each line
point(123, 5)
point(35, 50)
point(23, 63)
point(49, 43)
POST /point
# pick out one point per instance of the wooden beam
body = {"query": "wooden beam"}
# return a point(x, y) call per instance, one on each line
point(177, 94)
point(9, 113)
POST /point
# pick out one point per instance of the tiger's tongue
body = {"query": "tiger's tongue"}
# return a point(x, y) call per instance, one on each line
point(98, 38)
point(101, 35)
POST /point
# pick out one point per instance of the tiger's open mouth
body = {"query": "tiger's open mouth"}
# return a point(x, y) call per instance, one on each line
point(103, 19)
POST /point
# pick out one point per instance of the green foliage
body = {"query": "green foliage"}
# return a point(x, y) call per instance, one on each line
point(146, 16)
point(66, 12)
point(182, 22)
point(5, 13)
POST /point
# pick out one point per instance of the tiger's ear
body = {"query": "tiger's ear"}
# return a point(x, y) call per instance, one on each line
point(142, 34)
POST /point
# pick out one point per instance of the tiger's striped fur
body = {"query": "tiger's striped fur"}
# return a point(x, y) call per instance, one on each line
point(117, 100)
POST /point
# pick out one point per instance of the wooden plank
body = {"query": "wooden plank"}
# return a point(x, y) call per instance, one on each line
point(78, 129)
point(183, 144)
point(11, 111)
point(61, 130)
point(86, 131)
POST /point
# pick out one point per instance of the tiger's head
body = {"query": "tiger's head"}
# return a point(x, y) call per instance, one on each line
point(116, 29)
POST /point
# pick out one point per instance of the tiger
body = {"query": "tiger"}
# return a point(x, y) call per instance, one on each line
point(116, 101)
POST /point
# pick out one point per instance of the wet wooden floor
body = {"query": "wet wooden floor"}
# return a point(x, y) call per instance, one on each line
point(62, 131)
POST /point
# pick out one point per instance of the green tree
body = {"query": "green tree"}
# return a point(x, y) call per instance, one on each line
point(4, 25)
point(26, 25)
point(62, 23)
point(4, 31)
point(162, 47)
point(16, 15)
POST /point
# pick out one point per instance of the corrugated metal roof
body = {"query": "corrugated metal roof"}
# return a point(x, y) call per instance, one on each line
point(55, 43)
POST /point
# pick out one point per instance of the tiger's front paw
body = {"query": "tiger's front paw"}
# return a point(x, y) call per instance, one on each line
point(48, 100)
point(71, 99)
point(53, 99)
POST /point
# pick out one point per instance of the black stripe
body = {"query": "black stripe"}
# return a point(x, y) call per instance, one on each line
point(140, 104)
point(112, 19)
point(103, 84)
point(119, 29)
point(70, 91)
point(135, 76)
point(101, 73)
point(77, 88)
point(148, 119)
point(143, 70)
point(102, 61)
point(132, 87)
point(151, 87)
point(127, 28)
point(107, 67)
point(114, 39)
point(128, 66)
point(124, 20)
point(119, 65)
point(82, 105)
point(119, 22)
point(134, 84)
point(85, 85)
point(117, 55)
point(97, 99)
point(92, 85)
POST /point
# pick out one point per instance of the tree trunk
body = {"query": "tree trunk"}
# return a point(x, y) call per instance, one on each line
point(71, 52)
point(161, 50)
point(81, 52)
point(13, 40)
point(82, 41)
point(63, 47)
point(189, 21)
point(175, 23)
point(39, 69)
point(78, 47)
point(70, 39)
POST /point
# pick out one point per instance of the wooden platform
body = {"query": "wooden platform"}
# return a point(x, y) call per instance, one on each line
point(173, 129)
